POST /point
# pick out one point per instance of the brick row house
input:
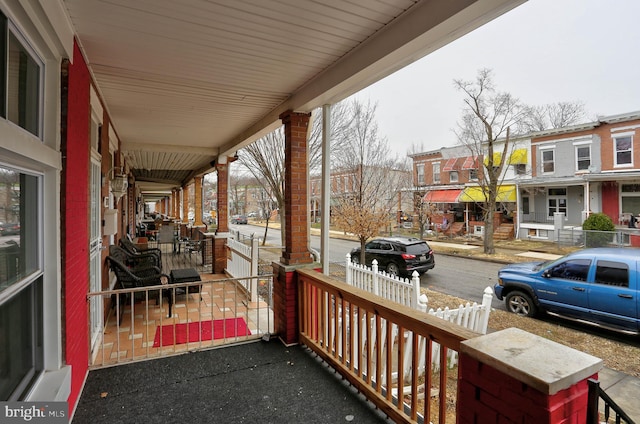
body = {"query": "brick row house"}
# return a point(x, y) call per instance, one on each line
point(569, 172)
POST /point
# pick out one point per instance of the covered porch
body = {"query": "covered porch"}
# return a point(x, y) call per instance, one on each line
point(139, 102)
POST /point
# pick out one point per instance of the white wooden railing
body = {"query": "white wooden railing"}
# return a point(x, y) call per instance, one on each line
point(243, 262)
point(400, 290)
point(407, 292)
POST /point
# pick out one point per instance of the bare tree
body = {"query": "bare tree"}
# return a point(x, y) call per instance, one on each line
point(265, 157)
point(555, 115)
point(367, 178)
point(485, 127)
point(265, 161)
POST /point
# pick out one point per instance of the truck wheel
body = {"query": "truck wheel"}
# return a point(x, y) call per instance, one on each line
point(520, 303)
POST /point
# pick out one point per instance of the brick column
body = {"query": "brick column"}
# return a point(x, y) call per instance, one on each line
point(175, 200)
point(197, 221)
point(515, 376)
point(295, 188)
point(185, 205)
point(222, 232)
point(295, 254)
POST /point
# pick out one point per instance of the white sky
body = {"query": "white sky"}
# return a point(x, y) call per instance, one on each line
point(544, 51)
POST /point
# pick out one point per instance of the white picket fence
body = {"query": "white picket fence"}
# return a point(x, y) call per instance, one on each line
point(244, 263)
point(407, 292)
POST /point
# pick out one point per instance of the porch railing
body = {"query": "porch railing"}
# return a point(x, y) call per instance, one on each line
point(204, 314)
point(244, 261)
point(367, 353)
point(593, 415)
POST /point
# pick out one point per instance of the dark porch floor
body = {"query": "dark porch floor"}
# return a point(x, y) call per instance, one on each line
point(264, 382)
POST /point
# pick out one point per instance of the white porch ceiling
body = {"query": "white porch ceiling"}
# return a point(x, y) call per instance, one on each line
point(187, 81)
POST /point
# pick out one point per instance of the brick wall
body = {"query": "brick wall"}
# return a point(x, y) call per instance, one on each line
point(489, 395)
point(75, 224)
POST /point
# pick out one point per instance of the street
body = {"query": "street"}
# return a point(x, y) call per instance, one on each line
point(455, 276)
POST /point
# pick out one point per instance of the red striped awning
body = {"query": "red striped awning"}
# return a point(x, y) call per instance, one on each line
point(470, 162)
point(442, 196)
point(450, 165)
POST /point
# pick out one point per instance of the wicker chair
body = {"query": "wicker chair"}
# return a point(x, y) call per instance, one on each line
point(129, 278)
point(135, 260)
point(131, 248)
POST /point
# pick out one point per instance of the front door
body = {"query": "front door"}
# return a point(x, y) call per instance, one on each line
point(95, 248)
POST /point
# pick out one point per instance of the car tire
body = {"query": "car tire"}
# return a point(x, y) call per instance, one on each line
point(520, 303)
point(393, 268)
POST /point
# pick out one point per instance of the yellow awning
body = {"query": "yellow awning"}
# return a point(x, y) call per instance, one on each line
point(506, 193)
point(497, 158)
point(518, 157)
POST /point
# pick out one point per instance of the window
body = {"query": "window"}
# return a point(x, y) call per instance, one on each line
point(473, 174)
point(557, 201)
point(612, 273)
point(623, 150)
point(525, 205)
point(21, 80)
point(21, 301)
point(420, 174)
point(574, 269)
point(548, 164)
point(583, 158)
point(453, 176)
point(520, 168)
point(436, 172)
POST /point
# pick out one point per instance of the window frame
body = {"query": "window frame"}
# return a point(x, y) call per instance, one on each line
point(617, 152)
point(577, 149)
point(544, 162)
point(436, 172)
point(8, 29)
point(420, 174)
point(453, 176)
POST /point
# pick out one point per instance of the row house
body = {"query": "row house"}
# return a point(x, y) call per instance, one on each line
point(552, 178)
point(579, 170)
point(345, 182)
point(450, 181)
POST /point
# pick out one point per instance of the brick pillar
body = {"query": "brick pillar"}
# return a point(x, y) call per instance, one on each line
point(175, 200)
point(185, 204)
point(295, 189)
point(223, 197)
point(197, 222)
point(504, 379)
point(222, 232)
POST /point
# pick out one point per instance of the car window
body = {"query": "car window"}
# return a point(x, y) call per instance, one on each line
point(372, 245)
point(418, 248)
point(385, 246)
point(612, 273)
point(573, 269)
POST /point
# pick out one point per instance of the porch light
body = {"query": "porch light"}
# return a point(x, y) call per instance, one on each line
point(119, 184)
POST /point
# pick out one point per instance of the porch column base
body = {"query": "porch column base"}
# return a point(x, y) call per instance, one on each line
point(515, 376)
point(285, 300)
point(220, 253)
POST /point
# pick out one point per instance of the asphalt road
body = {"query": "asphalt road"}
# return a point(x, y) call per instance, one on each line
point(455, 276)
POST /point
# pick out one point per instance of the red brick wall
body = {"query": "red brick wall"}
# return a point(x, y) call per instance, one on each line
point(490, 396)
point(285, 303)
point(296, 202)
point(75, 224)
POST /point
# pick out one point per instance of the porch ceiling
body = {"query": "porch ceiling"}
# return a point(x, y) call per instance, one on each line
point(189, 81)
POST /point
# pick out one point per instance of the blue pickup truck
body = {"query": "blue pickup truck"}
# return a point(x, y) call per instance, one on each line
point(595, 286)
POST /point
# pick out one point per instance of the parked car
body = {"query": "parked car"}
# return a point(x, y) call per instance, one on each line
point(10, 228)
point(252, 214)
point(597, 286)
point(238, 219)
point(398, 255)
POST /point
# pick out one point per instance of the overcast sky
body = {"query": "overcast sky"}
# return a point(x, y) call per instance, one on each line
point(544, 51)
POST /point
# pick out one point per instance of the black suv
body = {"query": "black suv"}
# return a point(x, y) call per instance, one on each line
point(398, 255)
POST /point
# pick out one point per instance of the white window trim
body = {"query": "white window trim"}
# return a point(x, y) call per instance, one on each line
point(542, 151)
point(615, 150)
point(576, 147)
